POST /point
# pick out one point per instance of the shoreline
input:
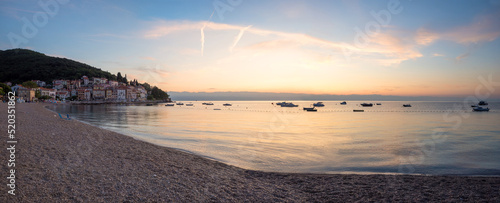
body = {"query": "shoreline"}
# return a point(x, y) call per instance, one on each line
point(69, 160)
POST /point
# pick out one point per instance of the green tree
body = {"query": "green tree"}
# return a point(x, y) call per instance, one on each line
point(29, 84)
point(119, 77)
point(147, 86)
point(38, 94)
point(5, 89)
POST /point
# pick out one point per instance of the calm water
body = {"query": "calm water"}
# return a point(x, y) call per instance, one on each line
point(428, 138)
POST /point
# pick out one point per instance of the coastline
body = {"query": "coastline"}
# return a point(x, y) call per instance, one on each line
point(68, 160)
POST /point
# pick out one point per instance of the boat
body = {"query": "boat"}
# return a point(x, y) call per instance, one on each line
point(149, 104)
point(406, 105)
point(217, 109)
point(343, 103)
point(379, 104)
point(189, 104)
point(179, 103)
point(227, 104)
point(358, 110)
point(474, 106)
point(289, 105)
point(280, 103)
point(169, 104)
point(208, 103)
point(308, 108)
point(481, 109)
point(482, 103)
point(367, 104)
point(319, 104)
point(312, 110)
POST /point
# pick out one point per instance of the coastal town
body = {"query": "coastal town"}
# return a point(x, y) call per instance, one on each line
point(84, 90)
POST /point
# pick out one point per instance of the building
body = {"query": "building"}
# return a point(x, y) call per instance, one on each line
point(113, 83)
point(109, 94)
point(40, 83)
point(26, 94)
point(84, 93)
point(63, 94)
point(98, 92)
point(121, 93)
point(85, 80)
point(47, 92)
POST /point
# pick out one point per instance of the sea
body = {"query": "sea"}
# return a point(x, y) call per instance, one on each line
point(430, 138)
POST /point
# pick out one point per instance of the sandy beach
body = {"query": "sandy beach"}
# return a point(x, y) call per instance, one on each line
point(61, 160)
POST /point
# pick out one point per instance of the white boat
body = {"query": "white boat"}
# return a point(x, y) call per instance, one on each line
point(343, 103)
point(189, 104)
point(208, 103)
point(406, 105)
point(289, 105)
point(169, 104)
point(481, 109)
point(319, 104)
point(367, 104)
point(227, 104)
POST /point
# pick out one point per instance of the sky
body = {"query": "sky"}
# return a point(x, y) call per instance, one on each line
point(446, 48)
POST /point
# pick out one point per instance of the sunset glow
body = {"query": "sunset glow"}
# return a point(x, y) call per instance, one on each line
point(405, 48)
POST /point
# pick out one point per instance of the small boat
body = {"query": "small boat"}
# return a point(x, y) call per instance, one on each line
point(216, 109)
point(312, 110)
point(319, 104)
point(169, 105)
point(227, 104)
point(406, 105)
point(357, 110)
point(379, 104)
point(308, 108)
point(149, 104)
point(481, 109)
point(208, 103)
point(367, 104)
point(289, 105)
point(482, 103)
point(343, 103)
point(179, 103)
point(281, 103)
point(473, 106)
point(189, 104)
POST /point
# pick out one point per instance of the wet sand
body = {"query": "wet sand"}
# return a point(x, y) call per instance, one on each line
point(59, 160)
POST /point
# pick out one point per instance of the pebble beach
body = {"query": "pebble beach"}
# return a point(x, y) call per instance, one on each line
point(60, 160)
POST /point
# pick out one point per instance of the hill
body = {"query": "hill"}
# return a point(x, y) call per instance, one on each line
point(19, 65)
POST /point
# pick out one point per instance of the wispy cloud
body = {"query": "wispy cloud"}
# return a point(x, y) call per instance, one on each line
point(238, 37)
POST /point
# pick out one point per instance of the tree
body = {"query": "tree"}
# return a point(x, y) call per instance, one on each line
point(119, 77)
point(125, 79)
point(5, 89)
point(150, 97)
point(29, 84)
point(158, 93)
point(38, 94)
point(147, 86)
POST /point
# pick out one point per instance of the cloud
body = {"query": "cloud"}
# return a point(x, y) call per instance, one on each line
point(238, 37)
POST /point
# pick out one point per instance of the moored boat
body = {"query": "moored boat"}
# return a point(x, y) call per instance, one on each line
point(179, 103)
point(189, 104)
point(406, 105)
point(481, 109)
point(367, 104)
point(289, 105)
point(319, 104)
point(208, 103)
point(169, 105)
point(308, 108)
point(227, 104)
point(482, 103)
point(358, 110)
point(343, 103)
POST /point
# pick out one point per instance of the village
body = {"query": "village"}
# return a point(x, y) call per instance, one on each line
point(84, 90)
